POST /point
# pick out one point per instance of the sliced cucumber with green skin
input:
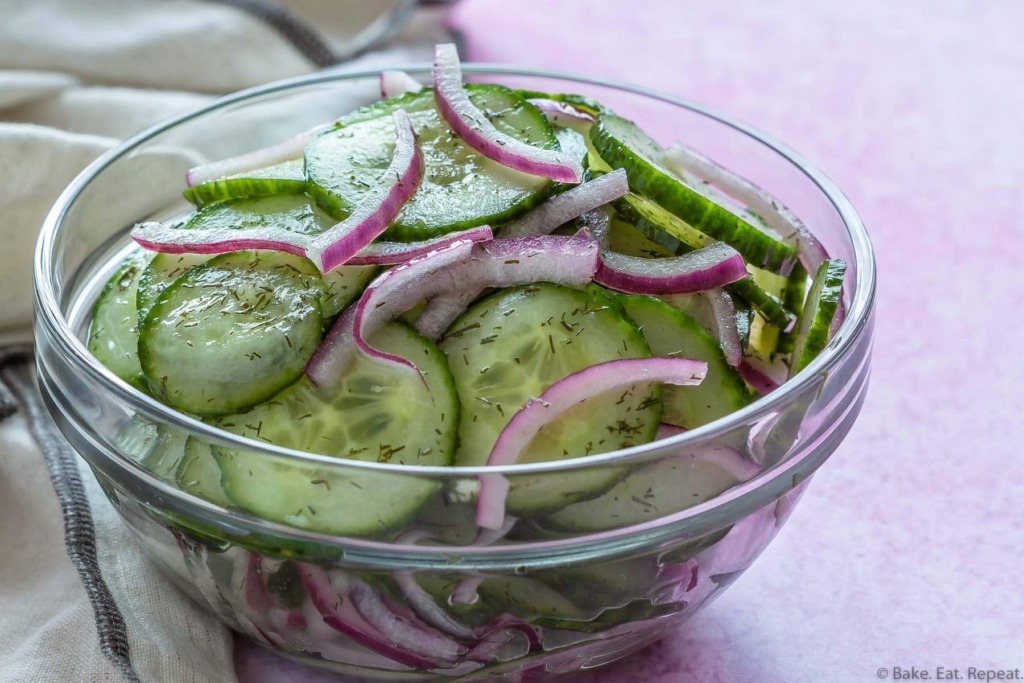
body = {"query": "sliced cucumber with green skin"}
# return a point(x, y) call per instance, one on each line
point(670, 332)
point(667, 486)
point(460, 188)
point(529, 598)
point(287, 177)
point(793, 299)
point(676, 237)
point(623, 145)
point(376, 414)
point(113, 331)
point(514, 344)
point(581, 102)
point(767, 304)
point(745, 316)
point(626, 238)
point(660, 226)
point(199, 474)
point(344, 285)
point(160, 274)
point(166, 454)
point(815, 322)
point(232, 332)
point(294, 213)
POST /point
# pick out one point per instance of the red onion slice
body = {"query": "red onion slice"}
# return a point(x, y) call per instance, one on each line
point(330, 248)
point(339, 613)
point(560, 113)
point(419, 639)
point(423, 604)
point(564, 394)
point(461, 266)
point(393, 292)
point(394, 83)
point(380, 205)
point(712, 266)
point(470, 124)
point(762, 383)
point(393, 253)
point(261, 158)
point(665, 431)
point(574, 202)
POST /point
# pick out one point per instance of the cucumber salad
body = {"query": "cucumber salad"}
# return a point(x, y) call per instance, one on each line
point(460, 275)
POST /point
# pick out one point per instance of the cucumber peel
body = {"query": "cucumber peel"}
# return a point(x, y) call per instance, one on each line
point(815, 322)
point(622, 144)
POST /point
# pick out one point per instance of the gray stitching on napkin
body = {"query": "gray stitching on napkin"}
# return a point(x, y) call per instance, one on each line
point(79, 533)
point(292, 28)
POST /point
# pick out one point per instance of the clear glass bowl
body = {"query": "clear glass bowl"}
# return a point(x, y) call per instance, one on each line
point(591, 595)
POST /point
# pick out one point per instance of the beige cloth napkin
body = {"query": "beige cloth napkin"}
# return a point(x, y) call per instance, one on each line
point(75, 77)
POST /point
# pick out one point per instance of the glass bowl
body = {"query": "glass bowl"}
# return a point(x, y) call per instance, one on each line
point(548, 598)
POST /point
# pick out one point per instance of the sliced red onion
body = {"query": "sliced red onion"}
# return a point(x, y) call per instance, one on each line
point(715, 265)
point(285, 150)
point(574, 202)
point(724, 312)
point(465, 591)
point(339, 613)
point(499, 632)
point(564, 394)
point(665, 431)
point(394, 292)
point(379, 206)
point(762, 383)
point(461, 266)
point(560, 113)
point(327, 250)
point(394, 83)
point(393, 253)
point(423, 604)
point(470, 124)
point(570, 261)
point(420, 639)
point(255, 591)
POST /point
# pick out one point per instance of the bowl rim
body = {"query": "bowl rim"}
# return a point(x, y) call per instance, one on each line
point(858, 312)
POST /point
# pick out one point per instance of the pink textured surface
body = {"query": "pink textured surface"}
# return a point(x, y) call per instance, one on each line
point(907, 549)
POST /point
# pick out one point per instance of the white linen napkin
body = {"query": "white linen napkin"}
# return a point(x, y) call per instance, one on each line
point(78, 602)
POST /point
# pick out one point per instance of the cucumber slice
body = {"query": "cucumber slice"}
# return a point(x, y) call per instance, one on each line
point(344, 285)
point(815, 322)
point(660, 226)
point(793, 299)
point(199, 474)
point(460, 189)
point(160, 274)
point(676, 237)
point(294, 213)
point(232, 332)
point(623, 145)
point(377, 414)
point(766, 303)
point(166, 454)
point(670, 332)
point(113, 331)
point(661, 488)
point(626, 238)
point(515, 343)
point(287, 177)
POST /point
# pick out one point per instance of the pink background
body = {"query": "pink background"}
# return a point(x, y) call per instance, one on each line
point(906, 550)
